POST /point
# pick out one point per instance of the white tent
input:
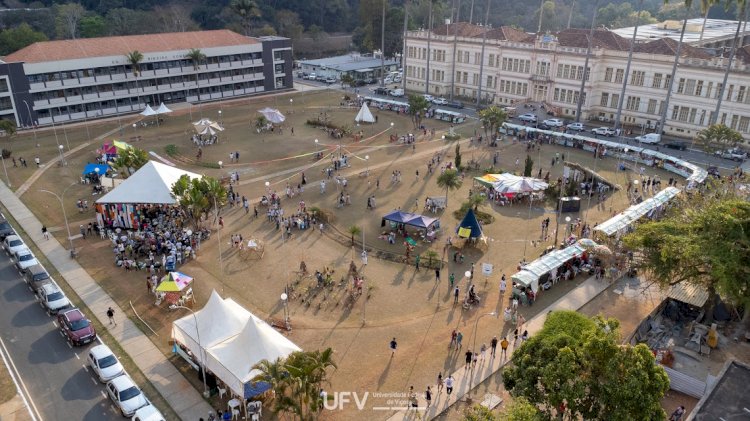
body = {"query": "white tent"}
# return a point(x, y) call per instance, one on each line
point(520, 185)
point(148, 111)
point(207, 130)
point(364, 115)
point(152, 183)
point(232, 360)
point(530, 274)
point(635, 212)
point(219, 320)
point(273, 115)
point(201, 124)
point(163, 109)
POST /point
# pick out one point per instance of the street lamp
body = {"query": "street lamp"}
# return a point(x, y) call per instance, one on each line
point(367, 162)
point(391, 124)
point(284, 300)
point(567, 225)
point(135, 129)
point(220, 118)
point(202, 351)
point(316, 148)
point(31, 121)
point(467, 274)
point(221, 164)
point(474, 347)
point(65, 215)
point(62, 157)
point(268, 187)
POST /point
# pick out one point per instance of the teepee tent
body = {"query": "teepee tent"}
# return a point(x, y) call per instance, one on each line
point(163, 109)
point(469, 226)
point(364, 115)
point(148, 112)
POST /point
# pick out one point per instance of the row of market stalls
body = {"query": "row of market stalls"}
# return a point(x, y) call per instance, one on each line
point(546, 265)
point(229, 341)
point(403, 107)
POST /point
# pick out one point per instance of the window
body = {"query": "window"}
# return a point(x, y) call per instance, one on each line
point(690, 87)
point(527, 66)
point(683, 113)
point(515, 64)
point(729, 93)
point(735, 120)
point(675, 111)
point(557, 94)
point(619, 75)
point(718, 92)
point(633, 103)
point(744, 124)
point(699, 88)
point(608, 75)
point(615, 101)
point(692, 115)
point(477, 58)
point(466, 56)
point(489, 81)
point(651, 106)
point(505, 64)
point(709, 89)
point(465, 77)
point(636, 79)
point(667, 81)
point(681, 85)
point(492, 60)
point(741, 94)
point(475, 79)
point(702, 118)
point(604, 100)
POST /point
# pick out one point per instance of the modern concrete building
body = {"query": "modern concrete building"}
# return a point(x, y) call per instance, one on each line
point(359, 66)
point(520, 67)
point(71, 80)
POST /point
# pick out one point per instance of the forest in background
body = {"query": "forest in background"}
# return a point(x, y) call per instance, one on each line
point(319, 22)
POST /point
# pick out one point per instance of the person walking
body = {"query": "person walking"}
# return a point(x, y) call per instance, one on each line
point(437, 275)
point(503, 285)
point(452, 280)
point(416, 262)
point(459, 338)
point(82, 229)
point(504, 348)
point(449, 385)
point(439, 382)
point(677, 414)
point(493, 346)
point(428, 396)
point(482, 352)
point(111, 316)
point(45, 233)
point(453, 338)
point(455, 295)
point(469, 356)
point(393, 345)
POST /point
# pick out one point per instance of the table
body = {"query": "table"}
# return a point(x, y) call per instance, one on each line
point(233, 403)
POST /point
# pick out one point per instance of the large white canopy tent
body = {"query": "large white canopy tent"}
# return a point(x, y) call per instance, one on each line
point(364, 115)
point(507, 183)
point(530, 274)
point(163, 109)
point(230, 340)
point(151, 184)
point(203, 123)
point(273, 115)
point(635, 212)
point(148, 112)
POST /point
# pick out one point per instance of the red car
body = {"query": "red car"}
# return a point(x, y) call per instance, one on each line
point(76, 327)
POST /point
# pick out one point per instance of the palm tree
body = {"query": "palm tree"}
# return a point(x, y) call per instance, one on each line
point(131, 160)
point(275, 374)
point(449, 180)
point(705, 8)
point(247, 10)
point(476, 200)
point(135, 58)
point(196, 56)
point(718, 135)
point(429, 51)
point(581, 92)
point(741, 8)
point(492, 118)
point(354, 230)
point(417, 106)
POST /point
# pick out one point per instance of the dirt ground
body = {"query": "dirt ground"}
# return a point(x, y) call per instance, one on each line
point(403, 303)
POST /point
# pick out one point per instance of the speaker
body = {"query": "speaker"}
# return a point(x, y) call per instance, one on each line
point(570, 204)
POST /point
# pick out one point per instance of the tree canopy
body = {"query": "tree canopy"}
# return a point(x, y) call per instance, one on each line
point(418, 104)
point(198, 197)
point(492, 118)
point(578, 366)
point(703, 240)
point(718, 136)
point(131, 159)
point(16, 38)
point(449, 180)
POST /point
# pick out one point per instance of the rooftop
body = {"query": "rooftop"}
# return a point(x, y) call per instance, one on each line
point(727, 399)
point(348, 62)
point(119, 46)
point(715, 29)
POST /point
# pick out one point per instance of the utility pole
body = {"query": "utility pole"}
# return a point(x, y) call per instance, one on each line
point(382, 47)
point(663, 117)
point(729, 65)
point(481, 63)
point(403, 53)
point(455, 45)
point(586, 63)
point(627, 66)
point(429, 52)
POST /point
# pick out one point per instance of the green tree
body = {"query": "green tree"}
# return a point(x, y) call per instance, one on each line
point(16, 38)
point(457, 159)
point(9, 128)
point(718, 136)
point(288, 24)
point(196, 56)
point(261, 122)
point(199, 197)
point(69, 15)
point(477, 200)
point(135, 58)
point(478, 412)
point(520, 409)
point(246, 10)
point(492, 118)
point(581, 363)
point(623, 15)
point(93, 26)
point(131, 159)
point(528, 166)
point(704, 240)
point(347, 79)
point(449, 180)
point(417, 106)
point(354, 231)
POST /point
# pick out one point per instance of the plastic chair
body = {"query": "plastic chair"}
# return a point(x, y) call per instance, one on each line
point(235, 414)
point(222, 392)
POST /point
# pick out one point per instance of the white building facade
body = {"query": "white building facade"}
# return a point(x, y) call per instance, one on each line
point(520, 68)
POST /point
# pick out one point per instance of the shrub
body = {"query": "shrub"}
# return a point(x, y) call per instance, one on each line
point(6, 153)
point(171, 150)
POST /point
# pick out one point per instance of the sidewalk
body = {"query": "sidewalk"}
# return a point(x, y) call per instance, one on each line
point(182, 397)
point(464, 381)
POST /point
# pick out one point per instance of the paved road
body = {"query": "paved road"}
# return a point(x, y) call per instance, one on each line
point(52, 371)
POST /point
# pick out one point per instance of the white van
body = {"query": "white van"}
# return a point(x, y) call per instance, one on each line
point(649, 138)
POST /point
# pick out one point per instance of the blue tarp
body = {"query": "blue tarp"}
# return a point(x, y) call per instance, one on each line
point(413, 219)
point(470, 221)
point(90, 168)
point(255, 388)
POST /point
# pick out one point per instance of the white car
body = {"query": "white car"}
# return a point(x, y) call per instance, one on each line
point(649, 138)
point(126, 395)
point(13, 243)
point(52, 299)
point(104, 363)
point(148, 413)
point(24, 259)
point(603, 131)
point(735, 154)
point(396, 92)
point(576, 126)
point(440, 101)
point(553, 122)
point(528, 117)
point(428, 97)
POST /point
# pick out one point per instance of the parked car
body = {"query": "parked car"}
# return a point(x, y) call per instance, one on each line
point(24, 258)
point(603, 131)
point(440, 101)
point(454, 104)
point(649, 138)
point(542, 126)
point(330, 81)
point(381, 90)
point(104, 363)
point(428, 97)
point(126, 395)
point(528, 117)
point(5, 229)
point(36, 276)
point(553, 122)
point(148, 413)
point(12, 243)
point(576, 126)
point(360, 82)
point(371, 80)
point(396, 92)
point(735, 154)
point(676, 144)
point(52, 299)
point(301, 75)
point(76, 327)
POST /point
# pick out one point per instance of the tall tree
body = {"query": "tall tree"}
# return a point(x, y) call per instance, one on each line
point(704, 240)
point(492, 119)
point(14, 39)
point(449, 180)
point(741, 15)
point(718, 136)
point(196, 57)
point(93, 26)
point(69, 15)
point(246, 10)
point(135, 58)
point(288, 24)
point(131, 159)
point(580, 364)
point(199, 197)
point(417, 107)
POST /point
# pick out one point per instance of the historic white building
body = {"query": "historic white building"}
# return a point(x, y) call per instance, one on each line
point(521, 67)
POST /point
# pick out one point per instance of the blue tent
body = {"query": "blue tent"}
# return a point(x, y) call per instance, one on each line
point(470, 222)
point(90, 168)
point(421, 221)
point(398, 216)
point(413, 219)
